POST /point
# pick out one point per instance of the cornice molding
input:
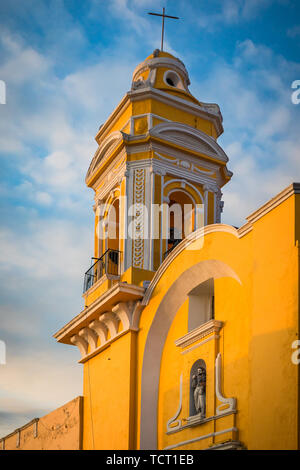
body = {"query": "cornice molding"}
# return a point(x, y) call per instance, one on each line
point(212, 326)
point(108, 147)
point(124, 317)
point(189, 137)
point(209, 111)
point(163, 167)
point(161, 62)
point(109, 298)
point(293, 188)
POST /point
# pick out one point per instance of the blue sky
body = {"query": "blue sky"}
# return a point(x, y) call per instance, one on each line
point(66, 65)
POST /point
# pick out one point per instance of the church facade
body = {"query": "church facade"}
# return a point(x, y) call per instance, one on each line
point(189, 334)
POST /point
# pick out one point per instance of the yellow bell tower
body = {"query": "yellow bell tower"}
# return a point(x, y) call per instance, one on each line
point(157, 149)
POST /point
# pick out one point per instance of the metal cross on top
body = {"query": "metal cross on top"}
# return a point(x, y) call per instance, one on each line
point(163, 24)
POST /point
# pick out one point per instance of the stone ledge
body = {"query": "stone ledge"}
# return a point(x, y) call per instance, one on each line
point(212, 326)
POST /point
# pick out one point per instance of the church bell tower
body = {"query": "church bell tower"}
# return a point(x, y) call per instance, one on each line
point(158, 149)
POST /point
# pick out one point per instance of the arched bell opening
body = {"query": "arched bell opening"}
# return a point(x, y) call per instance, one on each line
point(181, 218)
point(112, 258)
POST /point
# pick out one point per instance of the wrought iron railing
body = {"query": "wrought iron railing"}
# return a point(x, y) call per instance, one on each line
point(174, 243)
point(109, 263)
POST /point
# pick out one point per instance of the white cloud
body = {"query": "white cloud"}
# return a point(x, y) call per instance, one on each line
point(261, 136)
point(49, 123)
point(46, 249)
point(231, 12)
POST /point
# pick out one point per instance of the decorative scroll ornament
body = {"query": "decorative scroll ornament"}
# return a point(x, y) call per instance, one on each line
point(176, 422)
point(186, 165)
point(123, 317)
point(225, 401)
point(138, 242)
point(141, 83)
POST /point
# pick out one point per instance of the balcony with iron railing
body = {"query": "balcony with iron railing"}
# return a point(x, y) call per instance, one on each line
point(172, 242)
point(108, 263)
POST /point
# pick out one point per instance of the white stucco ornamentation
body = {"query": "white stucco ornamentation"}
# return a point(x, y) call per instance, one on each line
point(231, 402)
point(101, 329)
point(124, 311)
point(90, 336)
point(138, 238)
point(81, 343)
point(111, 321)
point(174, 423)
point(93, 338)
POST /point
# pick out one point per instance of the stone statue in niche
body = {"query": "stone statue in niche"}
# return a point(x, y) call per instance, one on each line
point(199, 390)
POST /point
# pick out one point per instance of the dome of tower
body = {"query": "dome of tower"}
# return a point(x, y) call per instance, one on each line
point(163, 71)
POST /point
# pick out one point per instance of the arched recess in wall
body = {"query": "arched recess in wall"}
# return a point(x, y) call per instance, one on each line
point(165, 314)
point(113, 225)
point(109, 234)
point(186, 212)
point(181, 217)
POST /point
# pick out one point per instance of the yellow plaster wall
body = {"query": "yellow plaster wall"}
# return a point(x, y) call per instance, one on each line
point(273, 393)
point(169, 112)
point(59, 430)
point(108, 386)
point(260, 318)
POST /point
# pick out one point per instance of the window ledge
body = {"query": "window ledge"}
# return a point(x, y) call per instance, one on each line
point(212, 326)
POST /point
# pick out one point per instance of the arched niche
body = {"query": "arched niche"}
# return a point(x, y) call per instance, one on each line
point(165, 314)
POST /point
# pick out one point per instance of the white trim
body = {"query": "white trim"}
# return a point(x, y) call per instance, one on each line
point(128, 313)
point(151, 228)
point(167, 308)
point(161, 217)
point(205, 143)
point(174, 418)
point(211, 326)
point(210, 112)
point(201, 232)
point(179, 82)
point(200, 344)
point(225, 401)
point(104, 151)
point(200, 438)
point(293, 188)
point(156, 62)
point(187, 183)
point(175, 170)
point(186, 164)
